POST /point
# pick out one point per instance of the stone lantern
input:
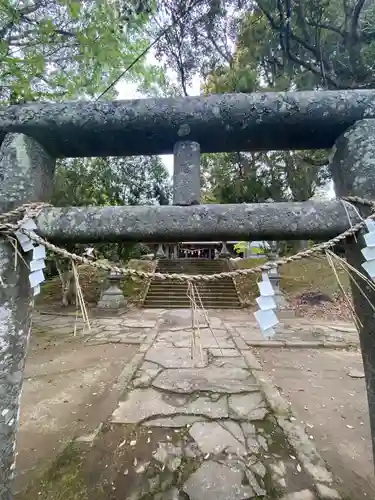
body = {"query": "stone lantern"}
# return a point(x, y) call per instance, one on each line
point(274, 274)
point(224, 252)
point(160, 254)
point(112, 298)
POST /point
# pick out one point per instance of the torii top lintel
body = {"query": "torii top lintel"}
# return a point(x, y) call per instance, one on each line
point(220, 123)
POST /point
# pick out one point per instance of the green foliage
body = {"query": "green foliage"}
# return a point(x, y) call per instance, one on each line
point(65, 49)
point(240, 247)
point(110, 181)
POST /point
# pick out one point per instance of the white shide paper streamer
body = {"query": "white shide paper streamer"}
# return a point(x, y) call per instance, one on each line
point(266, 317)
point(37, 263)
point(368, 251)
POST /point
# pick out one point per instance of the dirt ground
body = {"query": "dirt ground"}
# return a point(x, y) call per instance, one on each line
point(68, 391)
point(333, 407)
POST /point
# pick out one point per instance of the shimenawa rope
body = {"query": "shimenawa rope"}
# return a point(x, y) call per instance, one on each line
point(31, 210)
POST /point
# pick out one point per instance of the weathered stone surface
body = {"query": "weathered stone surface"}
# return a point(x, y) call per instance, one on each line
point(171, 494)
point(149, 365)
point(186, 173)
point(291, 220)
point(235, 429)
point(300, 495)
point(248, 406)
point(211, 437)
point(169, 455)
point(227, 353)
point(356, 374)
point(310, 459)
point(206, 339)
point(221, 380)
point(191, 450)
point(112, 298)
point(219, 123)
point(174, 422)
point(326, 493)
point(213, 481)
point(259, 469)
point(175, 357)
point(129, 338)
point(249, 333)
point(251, 361)
point(26, 175)
point(263, 442)
point(138, 323)
point(142, 404)
point(144, 378)
point(252, 440)
point(206, 406)
point(179, 320)
point(352, 169)
point(230, 362)
point(278, 471)
point(253, 482)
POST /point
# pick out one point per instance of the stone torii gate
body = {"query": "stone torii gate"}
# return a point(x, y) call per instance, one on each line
point(32, 136)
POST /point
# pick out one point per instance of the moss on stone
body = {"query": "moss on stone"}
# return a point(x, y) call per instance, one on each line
point(63, 480)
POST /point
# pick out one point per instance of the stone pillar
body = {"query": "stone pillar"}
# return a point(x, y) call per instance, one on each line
point(112, 298)
point(353, 171)
point(26, 175)
point(186, 173)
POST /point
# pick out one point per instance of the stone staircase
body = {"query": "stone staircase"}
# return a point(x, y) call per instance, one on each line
point(170, 294)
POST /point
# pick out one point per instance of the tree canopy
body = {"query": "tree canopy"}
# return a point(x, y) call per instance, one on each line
point(111, 181)
point(59, 49)
point(268, 45)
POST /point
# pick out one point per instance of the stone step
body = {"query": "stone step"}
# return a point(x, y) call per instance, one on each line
point(181, 293)
point(185, 302)
point(229, 285)
point(154, 305)
point(172, 294)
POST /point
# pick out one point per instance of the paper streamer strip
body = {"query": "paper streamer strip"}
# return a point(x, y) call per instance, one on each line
point(37, 263)
point(266, 317)
point(368, 251)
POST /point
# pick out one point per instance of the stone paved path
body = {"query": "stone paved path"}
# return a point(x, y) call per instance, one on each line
point(134, 327)
point(204, 423)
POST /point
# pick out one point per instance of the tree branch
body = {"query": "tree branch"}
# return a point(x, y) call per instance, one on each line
point(290, 35)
